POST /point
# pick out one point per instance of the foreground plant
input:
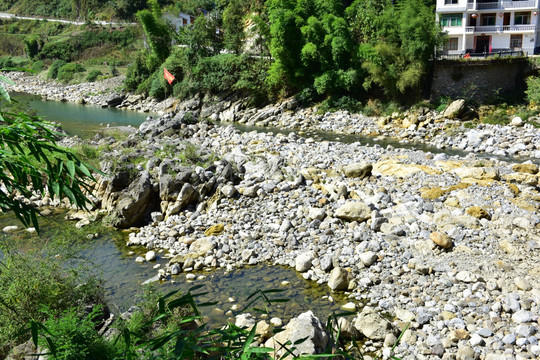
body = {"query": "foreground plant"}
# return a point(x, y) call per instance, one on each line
point(176, 330)
point(31, 162)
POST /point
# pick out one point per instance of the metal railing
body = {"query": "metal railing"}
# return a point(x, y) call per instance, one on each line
point(500, 5)
point(478, 56)
point(518, 4)
point(499, 28)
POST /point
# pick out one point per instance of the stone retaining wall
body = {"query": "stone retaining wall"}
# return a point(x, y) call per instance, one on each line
point(480, 80)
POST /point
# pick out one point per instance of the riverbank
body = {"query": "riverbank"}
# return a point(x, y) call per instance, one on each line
point(443, 130)
point(450, 244)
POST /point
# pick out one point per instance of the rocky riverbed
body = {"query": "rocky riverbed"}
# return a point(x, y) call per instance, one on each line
point(449, 244)
point(442, 130)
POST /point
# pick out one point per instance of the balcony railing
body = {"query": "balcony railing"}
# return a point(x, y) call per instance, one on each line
point(499, 28)
point(500, 5)
point(518, 4)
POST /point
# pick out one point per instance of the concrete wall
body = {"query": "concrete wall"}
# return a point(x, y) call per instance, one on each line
point(480, 80)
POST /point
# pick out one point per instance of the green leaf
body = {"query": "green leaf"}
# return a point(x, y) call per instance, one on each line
point(70, 165)
point(85, 170)
point(69, 194)
point(55, 187)
point(250, 338)
point(4, 93)
point(6, 80)
point(179, 347)
point(34, 330)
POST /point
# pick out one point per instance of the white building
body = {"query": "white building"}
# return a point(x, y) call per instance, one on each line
point(489, 26)
point(179, 20)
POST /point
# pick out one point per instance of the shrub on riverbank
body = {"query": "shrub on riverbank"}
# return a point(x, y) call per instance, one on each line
point(93, 75)
point(67, 72)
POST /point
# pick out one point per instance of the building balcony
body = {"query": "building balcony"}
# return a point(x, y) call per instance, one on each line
point(499, 28)
point(474, 5)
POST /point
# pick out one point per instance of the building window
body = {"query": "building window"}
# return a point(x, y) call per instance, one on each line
point(487, 20)
point(516, 41)
point(451, 20)
point(522, 18)
point(450, 2)
point(451, 44)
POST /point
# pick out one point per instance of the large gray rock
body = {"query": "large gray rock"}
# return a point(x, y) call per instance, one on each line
point(354, 211)
point(114, 100)
point(339, 279)
point(303, 262)
point(169, 187)
point(358, 170)
point(201, 246)
point(371, 324)
point(455, 109)
point(135, 204)
point(305, 326)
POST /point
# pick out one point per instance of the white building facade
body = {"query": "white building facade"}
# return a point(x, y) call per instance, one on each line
point(488, 26)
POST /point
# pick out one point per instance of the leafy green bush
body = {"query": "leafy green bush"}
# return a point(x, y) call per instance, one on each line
point(139, 71)
point(67, 72)
point(75, 338)
point(32, 44)
point(38, 66)
point(496, 117)
point(533, 90)
point(62, 49)
point(35, 280)
point(53, 70)
point(158, 87)
point(6, 62)
point(441, 103)
point(341, 103)
point(93, 75)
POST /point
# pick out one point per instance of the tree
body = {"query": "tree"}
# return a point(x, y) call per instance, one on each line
point(156, 31)
point(233, 25)
point(31, 162)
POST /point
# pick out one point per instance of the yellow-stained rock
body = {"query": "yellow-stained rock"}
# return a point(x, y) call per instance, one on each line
point(458, 334)
point(463, 249)
point(214, 230)
point(478, 212)
point(513, 188)
point(437, 192)
point(449, 165)
point(526, 168)
point(477, 173)
point(441, 239)
point(452, 201)
point(397, 169)
point(521, 178)
point(432, 194)
point(525, 204)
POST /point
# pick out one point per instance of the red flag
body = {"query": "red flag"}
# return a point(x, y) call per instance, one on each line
point(168, 76)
